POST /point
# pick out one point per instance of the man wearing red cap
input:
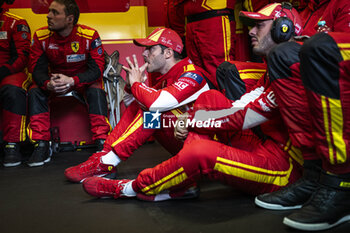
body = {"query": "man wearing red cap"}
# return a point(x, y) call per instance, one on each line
point(179, 85)
point(250, 164)
point(14, 54)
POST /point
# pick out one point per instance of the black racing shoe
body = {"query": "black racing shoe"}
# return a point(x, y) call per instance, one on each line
point(294, 195)
point(288, 198)
point(327, 208)
point(12, 156)
point(99, 144)
point(41, 155)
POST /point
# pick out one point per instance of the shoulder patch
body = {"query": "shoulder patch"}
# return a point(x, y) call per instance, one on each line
point(96, 43)
point(194, 76)
point(23, 28)
point(189, 67)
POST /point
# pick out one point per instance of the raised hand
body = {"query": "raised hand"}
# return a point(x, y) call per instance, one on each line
point(134, 73)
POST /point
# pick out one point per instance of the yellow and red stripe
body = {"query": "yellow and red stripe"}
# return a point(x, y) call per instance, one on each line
point(333, 128)
point(136, 124)
point(252, 173)
point(226, 31)
point(170, 180)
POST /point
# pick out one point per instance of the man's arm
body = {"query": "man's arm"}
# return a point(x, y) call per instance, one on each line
point(254, 108)
point(39, 63)
point(95, 63)
point(187, 89)
point(19, 49)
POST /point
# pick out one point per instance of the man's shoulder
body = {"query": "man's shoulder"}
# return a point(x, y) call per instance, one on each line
point(85, 31)
point(43, 33)
point(190, 67)
point(18, 19)
point(13, 16)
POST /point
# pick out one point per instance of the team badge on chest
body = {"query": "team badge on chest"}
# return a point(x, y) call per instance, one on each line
point(75, 46)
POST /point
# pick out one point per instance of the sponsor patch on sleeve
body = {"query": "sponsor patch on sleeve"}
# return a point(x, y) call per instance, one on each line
point(23, 28)
point(24, 36)
point(194, 76)
point(99, 51)
point(96, 43)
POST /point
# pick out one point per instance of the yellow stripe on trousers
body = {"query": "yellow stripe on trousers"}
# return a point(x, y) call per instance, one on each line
point(333, 126)
point(30, 133)
point(137, 123)
point(226, 30)
point(22, 136)
point(294, 152)
point(170, 180)
point(279, 178)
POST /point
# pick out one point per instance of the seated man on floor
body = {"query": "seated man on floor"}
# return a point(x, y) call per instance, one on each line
point(180, 83)
point(245, 161)
point(65, 56)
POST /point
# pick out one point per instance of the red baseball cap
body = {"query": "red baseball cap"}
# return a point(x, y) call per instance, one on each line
point(163, 36)
point(272, 11)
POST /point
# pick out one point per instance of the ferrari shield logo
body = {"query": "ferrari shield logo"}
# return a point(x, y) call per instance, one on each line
point(75, 46)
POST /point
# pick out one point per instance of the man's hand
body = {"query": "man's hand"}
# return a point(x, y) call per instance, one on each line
point(60, 83)
point(134, 73)
point(181, 131)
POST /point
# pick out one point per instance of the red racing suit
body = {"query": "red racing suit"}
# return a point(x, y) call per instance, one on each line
point(211, 31)
point(80, 56)
point(327, 81)
point(284, 71)
point(249, 163)
point(14, 53)
point(172, 95)
point(337, 15)
point(312, 14)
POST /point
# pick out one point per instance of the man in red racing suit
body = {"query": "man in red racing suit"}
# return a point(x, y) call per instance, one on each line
point(251, 164)
point(298, 114)
point(14, 54)
point(179, 85)
point(212, 33)
point(65, 56)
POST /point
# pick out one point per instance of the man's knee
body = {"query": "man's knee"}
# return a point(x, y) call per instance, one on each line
point(97, 101)
point(38, 101)
point(319, 65)
point(13, 99)
point(212, 100)
point(229, 80)
point(196, 155)
point(281, 58)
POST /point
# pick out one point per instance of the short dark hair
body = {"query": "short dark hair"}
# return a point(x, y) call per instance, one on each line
point(177, 55)
point(71, 8)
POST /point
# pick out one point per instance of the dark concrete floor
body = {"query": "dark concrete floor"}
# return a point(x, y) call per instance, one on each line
point(36, 200)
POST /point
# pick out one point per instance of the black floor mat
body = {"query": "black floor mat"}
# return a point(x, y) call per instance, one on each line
point(35, 200)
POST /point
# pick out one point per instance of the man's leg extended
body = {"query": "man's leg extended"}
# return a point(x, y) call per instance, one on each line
point(265, 169)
